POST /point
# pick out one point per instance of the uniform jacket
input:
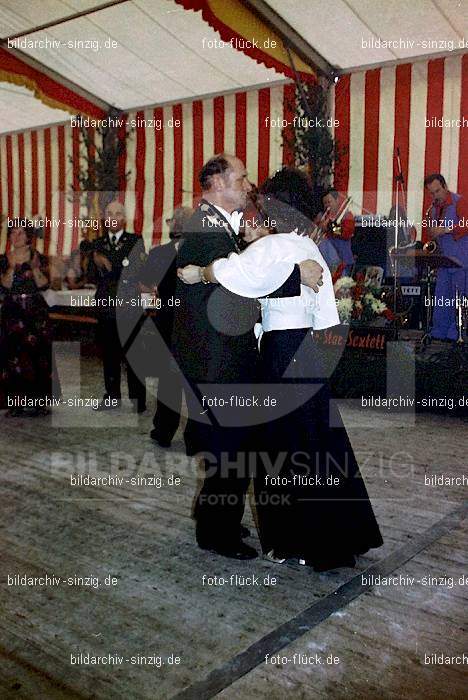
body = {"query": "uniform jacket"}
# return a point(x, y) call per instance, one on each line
point(127, 257)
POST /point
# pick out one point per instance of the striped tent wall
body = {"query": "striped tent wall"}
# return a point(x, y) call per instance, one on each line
point(164, 162)
point(38, 168)
point(376, 111)
point(414, 107)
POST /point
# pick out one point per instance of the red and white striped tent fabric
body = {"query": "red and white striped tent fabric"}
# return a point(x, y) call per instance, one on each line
point(378, 108)
point(37, 167)
point(420, 108)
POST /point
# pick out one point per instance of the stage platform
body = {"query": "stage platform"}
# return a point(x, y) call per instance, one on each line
point(373, 640)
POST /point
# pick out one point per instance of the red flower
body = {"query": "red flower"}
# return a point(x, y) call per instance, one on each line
point(358, 291)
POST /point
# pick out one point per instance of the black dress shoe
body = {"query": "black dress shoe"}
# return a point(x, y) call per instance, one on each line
point(109, 403)
point(154, 435)
point(239, 550)
point(244, 532)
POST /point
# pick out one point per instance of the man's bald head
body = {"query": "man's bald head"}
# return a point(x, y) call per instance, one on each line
point(115, 215)
point(224, 182)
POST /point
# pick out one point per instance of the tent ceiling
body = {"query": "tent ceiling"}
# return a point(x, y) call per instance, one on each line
point(20, 15)
point(20, 110)
point(338, 28)
point(162, 52)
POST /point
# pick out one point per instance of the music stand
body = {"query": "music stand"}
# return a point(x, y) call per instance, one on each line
point(399, 189)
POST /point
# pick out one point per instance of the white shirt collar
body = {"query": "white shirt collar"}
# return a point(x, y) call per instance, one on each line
point(234, 219)
point(117, 235)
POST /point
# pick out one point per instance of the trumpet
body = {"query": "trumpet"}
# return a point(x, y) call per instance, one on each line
point(336, 224)
point(333, 227)
point(433, 245)
point(320, 229)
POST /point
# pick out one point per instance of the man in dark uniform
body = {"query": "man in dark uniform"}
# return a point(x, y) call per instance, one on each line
point(160, 274)
point(215, 347)
point(119, 257)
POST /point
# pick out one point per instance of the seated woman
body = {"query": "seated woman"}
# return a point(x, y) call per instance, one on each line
point(26, 366)
point(311, 500)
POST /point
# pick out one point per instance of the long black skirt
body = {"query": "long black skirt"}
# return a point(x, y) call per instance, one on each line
point(311, 500)
point(27, 364)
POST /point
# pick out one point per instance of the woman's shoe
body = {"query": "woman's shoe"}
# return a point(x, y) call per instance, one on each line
point(273, 557)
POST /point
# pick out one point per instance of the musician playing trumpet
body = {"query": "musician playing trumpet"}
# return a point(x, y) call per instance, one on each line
point(447, 224)
point(334, 232)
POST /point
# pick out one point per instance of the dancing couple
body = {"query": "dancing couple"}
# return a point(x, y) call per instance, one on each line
point(310, 500)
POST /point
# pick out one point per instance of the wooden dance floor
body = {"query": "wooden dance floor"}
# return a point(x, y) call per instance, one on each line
point(163, 630)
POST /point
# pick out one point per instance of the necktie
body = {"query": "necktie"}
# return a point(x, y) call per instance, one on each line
point(113, 240)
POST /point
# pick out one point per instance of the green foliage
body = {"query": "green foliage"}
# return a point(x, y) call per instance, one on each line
point(99, 164)
point(309, 137)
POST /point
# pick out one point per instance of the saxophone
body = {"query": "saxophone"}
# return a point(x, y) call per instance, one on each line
point(432, 246)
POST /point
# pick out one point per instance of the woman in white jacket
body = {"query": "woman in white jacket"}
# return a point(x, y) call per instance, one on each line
point(311, 500)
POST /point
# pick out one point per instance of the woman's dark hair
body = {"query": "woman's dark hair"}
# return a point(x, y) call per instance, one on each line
point(290, 200)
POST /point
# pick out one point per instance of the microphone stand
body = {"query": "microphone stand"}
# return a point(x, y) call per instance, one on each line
point(399, 191)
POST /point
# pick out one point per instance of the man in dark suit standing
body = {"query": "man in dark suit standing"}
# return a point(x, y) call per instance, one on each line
point(160, 275)
point(216, 349)
point(119, 257)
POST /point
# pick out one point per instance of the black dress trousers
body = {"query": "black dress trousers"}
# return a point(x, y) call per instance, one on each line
point(113, 354)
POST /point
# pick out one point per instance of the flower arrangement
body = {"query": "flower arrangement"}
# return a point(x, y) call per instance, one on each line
point(359, 300)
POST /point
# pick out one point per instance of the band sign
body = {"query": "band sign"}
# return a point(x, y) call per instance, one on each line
point(358, 338)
